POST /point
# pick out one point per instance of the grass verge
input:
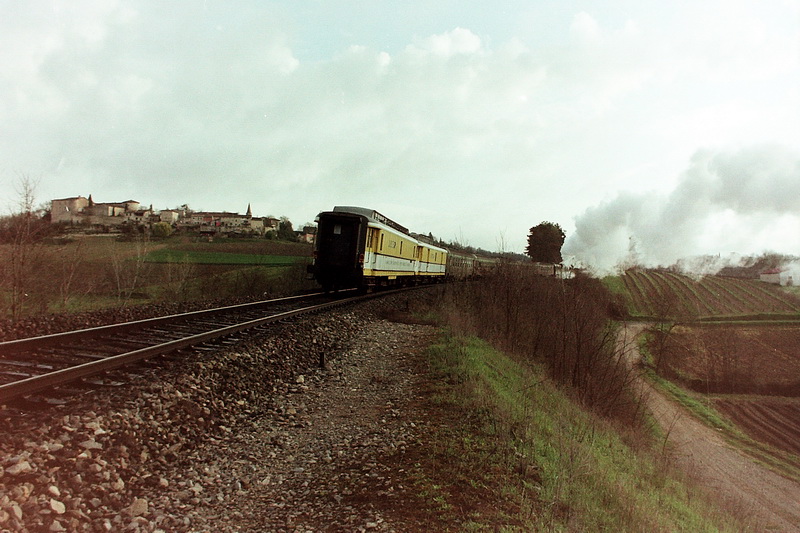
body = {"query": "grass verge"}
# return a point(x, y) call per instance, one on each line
point(520, 455)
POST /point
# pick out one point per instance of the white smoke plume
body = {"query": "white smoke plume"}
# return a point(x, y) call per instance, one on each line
point(726, 203)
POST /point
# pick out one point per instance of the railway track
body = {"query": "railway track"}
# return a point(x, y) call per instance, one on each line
point(29, 366)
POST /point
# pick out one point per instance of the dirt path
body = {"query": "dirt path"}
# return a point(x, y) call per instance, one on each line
point(772, 500)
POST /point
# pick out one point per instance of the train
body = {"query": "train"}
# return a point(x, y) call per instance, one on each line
point(360, 248)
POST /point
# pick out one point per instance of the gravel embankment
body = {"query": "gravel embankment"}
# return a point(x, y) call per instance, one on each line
point(252, 437)
point(56, 323)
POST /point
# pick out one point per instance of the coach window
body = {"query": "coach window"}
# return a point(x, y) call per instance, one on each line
point(401, 247)
point(381, 241)
point(337, 229)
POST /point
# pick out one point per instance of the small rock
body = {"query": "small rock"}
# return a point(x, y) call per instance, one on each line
point(16, 510)
point(57, 506)
point(52, 446)
point(138, 507)
point(19, 468)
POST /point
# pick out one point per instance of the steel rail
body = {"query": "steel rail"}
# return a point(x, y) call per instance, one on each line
point(52, 339)
point(66, 375)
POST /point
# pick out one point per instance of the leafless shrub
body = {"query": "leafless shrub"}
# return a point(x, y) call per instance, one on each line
point(127, 271)
point(177, 281)
point(258, 282)
point(69, 265)
point(563, 323)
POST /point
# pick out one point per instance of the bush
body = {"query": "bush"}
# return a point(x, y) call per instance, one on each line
point(564, 324)
point(161, 230)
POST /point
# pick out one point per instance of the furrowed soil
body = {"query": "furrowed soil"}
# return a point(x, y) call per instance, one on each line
point(729, 358)
point(751, 374)
point(771, 499)
point(736, 359)
point(775, 421)
point(661, 293)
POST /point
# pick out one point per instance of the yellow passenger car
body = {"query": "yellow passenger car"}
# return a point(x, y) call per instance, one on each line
point(358, 247)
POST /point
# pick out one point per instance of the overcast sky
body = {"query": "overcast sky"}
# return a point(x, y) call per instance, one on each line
point(669, 127)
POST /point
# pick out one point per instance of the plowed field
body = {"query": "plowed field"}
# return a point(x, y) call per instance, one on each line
point(735, 359)
point(655, 293)
point(737, 345)
point(752, 374)
point(733, 475)
point(775, 421)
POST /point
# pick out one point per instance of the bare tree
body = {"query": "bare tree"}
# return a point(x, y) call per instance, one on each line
point(70, 262)
point(669, 313)
point(178, 277)
point(19, 268)
point(564, 324)
point(127, 272)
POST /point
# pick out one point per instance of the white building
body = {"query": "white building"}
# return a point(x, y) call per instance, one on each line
point(784, 277)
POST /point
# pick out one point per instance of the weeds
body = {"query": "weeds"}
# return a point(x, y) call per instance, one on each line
point(538, 461)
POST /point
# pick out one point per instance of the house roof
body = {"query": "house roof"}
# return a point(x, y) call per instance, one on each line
point(70, 198)
point(216, 214)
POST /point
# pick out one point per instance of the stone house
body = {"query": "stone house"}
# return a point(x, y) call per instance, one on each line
point(170, 216)
point(308, 234)
point(67, 210)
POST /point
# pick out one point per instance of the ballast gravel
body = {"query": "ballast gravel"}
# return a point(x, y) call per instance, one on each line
point(304, 427)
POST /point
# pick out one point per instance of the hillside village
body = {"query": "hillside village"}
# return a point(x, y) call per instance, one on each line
point(116, 217)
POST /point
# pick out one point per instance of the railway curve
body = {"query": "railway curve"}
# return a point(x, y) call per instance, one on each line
point(30, 365)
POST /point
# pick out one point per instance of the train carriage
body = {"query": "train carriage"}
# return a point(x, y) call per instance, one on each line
point(358, 247)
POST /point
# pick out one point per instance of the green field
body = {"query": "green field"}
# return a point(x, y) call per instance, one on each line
point(198, 257)
point(94, 272)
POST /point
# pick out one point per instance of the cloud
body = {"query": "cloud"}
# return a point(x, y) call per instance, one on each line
point(727, 201)
point(458, 41)
point(585, 27)
point(456, 128)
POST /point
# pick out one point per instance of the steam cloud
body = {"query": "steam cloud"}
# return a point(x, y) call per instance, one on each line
point(747, 201)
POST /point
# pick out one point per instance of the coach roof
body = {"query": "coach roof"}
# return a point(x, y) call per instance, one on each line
point(372, 215)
